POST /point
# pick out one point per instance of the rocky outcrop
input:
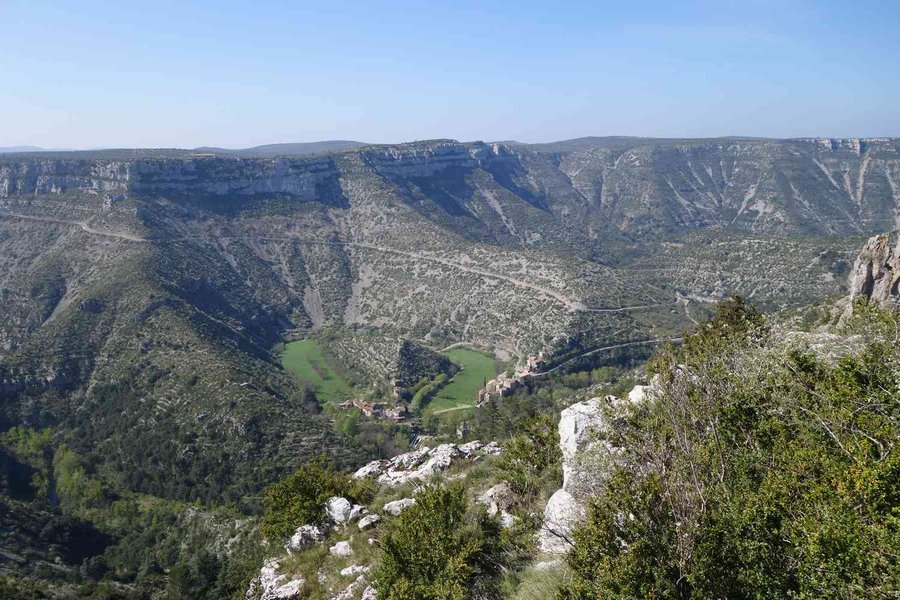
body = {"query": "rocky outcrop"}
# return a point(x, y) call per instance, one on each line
point(303, 179)
point(876, 273)
point(271, 584)
point(562, 514)
point(589, 455)
point(424, 463)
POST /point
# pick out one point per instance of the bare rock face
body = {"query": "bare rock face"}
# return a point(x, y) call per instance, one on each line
point(424, 463)
point(270, 584)
point(876, 273)
point(561, 516)
point(576, 426)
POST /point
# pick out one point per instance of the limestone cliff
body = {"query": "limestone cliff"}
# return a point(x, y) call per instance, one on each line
point(876, 273)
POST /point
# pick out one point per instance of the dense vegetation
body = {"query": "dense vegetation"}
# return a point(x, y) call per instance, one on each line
point(762, 469)
point(75, 536)
point(457, 559)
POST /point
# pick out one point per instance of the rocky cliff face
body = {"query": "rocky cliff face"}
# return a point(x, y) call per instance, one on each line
point(304, 179)
point(588, 458)
point(656, 187)
point(876, 273)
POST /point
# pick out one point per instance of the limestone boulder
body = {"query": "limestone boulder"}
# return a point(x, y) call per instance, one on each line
point(561, 516)
point(339, 510)
point(398, 506)
point(341, 549)
point(271, 584)
point(368, 521)
point(304, 537)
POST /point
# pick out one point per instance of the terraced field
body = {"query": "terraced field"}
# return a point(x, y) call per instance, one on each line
point(304, 360)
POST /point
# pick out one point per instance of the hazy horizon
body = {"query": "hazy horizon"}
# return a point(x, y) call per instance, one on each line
point(231, 75)
point(32, 148)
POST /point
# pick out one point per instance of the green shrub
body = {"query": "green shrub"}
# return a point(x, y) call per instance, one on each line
point(439, 549)
point(532, 456)
point(300, 498)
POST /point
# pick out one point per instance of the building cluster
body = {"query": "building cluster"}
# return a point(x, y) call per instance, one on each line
point(379, 410)
point(505, 384)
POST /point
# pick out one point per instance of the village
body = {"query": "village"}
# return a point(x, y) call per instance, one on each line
point(503, 385)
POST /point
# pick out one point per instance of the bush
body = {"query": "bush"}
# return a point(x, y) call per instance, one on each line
point(300, 498)
point(532, 456)
point(438, 549)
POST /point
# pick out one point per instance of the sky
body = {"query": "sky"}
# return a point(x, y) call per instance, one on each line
point(237, 74)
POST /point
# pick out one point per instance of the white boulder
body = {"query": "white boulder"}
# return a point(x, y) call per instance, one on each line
point(338, 510)
point(637, 394)
point(304, 537)
point(398, 506)
point(561, 516)
point(368, 521)
point(341, 549)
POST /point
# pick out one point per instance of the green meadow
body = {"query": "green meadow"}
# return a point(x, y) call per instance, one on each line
point(460, 393)
point(304, 360)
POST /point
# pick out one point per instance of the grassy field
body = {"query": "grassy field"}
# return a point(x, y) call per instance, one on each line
point(304, 360)
point(460, 392)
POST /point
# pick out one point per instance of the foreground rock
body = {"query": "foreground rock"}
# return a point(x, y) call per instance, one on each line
point(270, 584)
point(368, 521)
point(398, 506)
point(341, 549)
point(589, 455)
point(304, 537)
point(561, 516)
point(338, 510)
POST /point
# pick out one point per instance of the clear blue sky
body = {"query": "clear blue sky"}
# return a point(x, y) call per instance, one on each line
point(242, 73)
